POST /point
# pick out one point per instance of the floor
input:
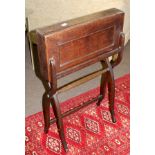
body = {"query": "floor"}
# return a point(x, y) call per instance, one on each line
point(34, 88)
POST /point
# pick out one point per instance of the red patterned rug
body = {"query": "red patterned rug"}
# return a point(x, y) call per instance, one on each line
point(89, 131)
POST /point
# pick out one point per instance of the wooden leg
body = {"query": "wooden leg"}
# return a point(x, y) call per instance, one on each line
point(58, 116)
point(46, 112)
point(111, 90)
point(103, 84)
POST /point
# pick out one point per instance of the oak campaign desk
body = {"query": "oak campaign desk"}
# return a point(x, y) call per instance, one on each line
point(72, 45)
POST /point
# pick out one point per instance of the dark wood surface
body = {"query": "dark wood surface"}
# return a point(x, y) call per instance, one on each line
point(82, 42)
point(72, 45)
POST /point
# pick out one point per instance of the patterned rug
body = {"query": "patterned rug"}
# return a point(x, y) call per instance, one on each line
point(89, 131)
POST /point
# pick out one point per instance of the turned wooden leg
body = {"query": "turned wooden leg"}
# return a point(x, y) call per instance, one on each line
point(111, 90)
point(46, 111)
point(59, 122)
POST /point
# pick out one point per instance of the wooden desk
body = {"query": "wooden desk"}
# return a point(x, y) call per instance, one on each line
point(66, 47)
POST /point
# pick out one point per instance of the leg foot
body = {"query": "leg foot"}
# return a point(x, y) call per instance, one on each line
point(65, 147)
point(113, 116)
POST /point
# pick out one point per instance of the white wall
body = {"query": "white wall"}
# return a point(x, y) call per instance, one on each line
point(46, 12)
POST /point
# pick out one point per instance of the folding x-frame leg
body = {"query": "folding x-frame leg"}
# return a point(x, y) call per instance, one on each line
point(57, 112)
point(51, 97)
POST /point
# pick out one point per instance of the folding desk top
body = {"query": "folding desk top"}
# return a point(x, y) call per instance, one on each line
point(77, 43)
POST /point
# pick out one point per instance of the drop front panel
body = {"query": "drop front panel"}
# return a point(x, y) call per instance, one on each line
point(79, 41)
